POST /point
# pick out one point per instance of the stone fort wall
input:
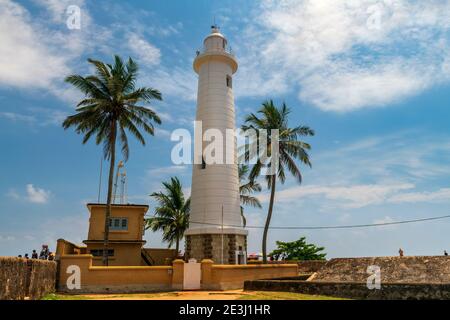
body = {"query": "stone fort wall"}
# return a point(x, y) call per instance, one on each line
point(413, 269)
point(21, 278)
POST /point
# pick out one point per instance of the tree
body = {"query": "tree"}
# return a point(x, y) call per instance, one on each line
point(290, 149)
point(171, 214)
point(110, 109)
point(246, 188)
point(298, 250)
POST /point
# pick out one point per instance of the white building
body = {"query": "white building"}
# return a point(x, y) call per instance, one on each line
point(215, 230)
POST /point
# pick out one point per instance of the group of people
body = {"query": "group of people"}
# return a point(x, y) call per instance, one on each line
point(45, 254)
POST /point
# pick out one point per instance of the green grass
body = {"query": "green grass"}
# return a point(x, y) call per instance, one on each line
point(55, 296)
point(269, 295)
point(251, 295)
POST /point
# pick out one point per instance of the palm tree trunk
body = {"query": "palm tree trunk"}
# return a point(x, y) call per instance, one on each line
point(109, 198)
point(177, 246)
point(269, 216)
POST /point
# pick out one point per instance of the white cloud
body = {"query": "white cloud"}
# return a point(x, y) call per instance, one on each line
point(440, 195)
point(37, 116)
point(166, 170)
point(6, 238)
point(353, 196)
point(347, 88)
point(38, 52)
point(33, 194)
point(58, 8)
point(398, 168)
point(144, 50)
point(175, 82)
point(345, 55)
point(13, 194)
point(37, 195)
point(410, 155)
point(386, 219)
point(17, 117)
point(163, 133)
point(25, 59)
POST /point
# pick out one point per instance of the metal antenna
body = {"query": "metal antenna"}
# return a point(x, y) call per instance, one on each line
point(123, 181)
point(100, 179)
point(119, 166)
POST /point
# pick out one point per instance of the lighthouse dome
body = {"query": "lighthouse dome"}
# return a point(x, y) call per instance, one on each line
point(215, 41)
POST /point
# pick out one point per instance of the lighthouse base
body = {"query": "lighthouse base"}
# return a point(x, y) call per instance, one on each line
point(229, 248)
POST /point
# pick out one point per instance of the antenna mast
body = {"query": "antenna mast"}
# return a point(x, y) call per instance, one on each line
point(118, 174)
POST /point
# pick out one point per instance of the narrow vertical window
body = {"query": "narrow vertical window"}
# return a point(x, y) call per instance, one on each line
point(229, 82)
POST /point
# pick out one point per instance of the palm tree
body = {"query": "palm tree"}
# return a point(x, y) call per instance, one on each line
point(246, 188)
point(290, 148)
point(110, 109)
point(171, 214)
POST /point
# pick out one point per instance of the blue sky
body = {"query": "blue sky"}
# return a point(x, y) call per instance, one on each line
point(371, 77)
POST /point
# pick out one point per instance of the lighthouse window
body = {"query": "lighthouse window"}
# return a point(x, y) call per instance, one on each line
point(229, 82)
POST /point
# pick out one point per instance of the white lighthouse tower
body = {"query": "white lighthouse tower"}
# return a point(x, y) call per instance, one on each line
point(215, 229)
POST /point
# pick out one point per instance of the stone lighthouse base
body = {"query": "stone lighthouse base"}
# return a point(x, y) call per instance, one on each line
point(227, 248)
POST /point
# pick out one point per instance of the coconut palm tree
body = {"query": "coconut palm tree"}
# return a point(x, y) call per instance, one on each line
point(290, 149)
point(110, 110)
point(171, 214)
point(246, 188)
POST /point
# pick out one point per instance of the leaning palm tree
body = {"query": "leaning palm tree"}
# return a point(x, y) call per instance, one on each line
point(109, 110)
point(290, 148)
point(246, 188)
point(171, 214)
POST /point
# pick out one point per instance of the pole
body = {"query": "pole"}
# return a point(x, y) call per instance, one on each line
point(222, 237)
point(100, 180)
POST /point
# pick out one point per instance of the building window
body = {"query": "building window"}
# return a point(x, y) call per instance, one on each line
point(229, 82)
point(99, 252)
point(118, 224)
point(224, 44)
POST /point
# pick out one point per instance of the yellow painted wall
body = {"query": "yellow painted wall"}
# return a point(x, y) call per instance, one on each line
point(114, 279)
point(66, 247)
point(135, 215)
point(226, 277)
point(125, 254)
point(125, 279)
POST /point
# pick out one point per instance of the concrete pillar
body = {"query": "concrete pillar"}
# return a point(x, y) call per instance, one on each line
point(206, 266)
point(177, 274)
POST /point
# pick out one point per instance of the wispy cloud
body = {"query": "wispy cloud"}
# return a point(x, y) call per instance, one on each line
point(32, 194)
point(37, 195)
point(354, 196)
point(167, 170)
point(371, 172)
point(37, 117)
point(146, 52)
point(345, 55)
point(440, 195)
point(17, 117)
point(25, 58)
